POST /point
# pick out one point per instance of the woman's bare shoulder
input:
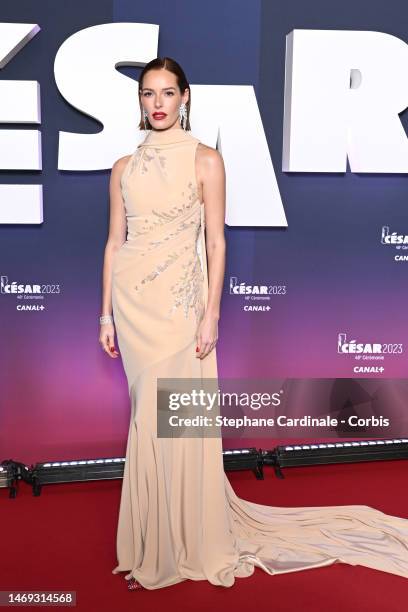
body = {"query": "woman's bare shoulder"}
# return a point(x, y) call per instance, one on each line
point(208, 157)
point(120, 164)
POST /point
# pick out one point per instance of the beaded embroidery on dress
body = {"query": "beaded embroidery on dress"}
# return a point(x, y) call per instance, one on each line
point(179, 516)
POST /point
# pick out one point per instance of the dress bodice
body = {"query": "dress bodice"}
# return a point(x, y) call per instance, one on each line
point(159, 185)
point(165, 219)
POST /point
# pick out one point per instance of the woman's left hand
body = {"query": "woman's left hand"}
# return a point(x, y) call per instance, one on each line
point(207, 335)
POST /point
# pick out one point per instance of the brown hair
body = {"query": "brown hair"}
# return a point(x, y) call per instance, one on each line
point(172, 66)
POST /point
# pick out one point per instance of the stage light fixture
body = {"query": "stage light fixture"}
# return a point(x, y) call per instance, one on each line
point(243, 459)
point(76, 471)
point(335, 452)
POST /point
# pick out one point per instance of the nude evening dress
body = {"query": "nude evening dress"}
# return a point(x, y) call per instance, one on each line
point(179, 516)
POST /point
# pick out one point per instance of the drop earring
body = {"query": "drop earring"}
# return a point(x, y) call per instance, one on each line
point(144, 118)
point(183, 115)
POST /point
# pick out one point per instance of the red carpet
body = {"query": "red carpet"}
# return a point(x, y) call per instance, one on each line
point(65, 539)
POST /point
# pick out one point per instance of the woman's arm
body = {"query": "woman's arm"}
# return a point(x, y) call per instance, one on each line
point(211, 179)
point(116, 237)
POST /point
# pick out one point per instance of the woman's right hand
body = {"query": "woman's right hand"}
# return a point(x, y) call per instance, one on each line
point(107, 339)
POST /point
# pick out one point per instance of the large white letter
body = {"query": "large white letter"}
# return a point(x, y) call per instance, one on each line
point(86, 76)
point(228, 117)
point(343, 93)
point(19, 149)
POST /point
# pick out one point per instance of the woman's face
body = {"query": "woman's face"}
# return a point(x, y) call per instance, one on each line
point(161, 98)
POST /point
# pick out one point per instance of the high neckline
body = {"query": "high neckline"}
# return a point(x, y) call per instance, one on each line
point(167, 136)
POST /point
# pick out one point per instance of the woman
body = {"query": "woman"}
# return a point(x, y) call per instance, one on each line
point(179, 517)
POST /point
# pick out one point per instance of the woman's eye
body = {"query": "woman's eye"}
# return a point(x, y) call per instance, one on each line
point(147, 93)
point(171, 93)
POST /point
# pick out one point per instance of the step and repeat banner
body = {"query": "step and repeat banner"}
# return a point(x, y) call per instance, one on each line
point(306, 102)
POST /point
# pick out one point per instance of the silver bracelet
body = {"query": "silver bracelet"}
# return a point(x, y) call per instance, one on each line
point(105, 319)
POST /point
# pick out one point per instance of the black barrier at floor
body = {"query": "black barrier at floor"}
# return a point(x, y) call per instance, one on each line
point(296, 455)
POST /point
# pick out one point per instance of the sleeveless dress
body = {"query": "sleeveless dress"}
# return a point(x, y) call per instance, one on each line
point(179, 517)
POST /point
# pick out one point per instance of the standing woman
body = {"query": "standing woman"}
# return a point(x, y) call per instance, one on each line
point(179, 517)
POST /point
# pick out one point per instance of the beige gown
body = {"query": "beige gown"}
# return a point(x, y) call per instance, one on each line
point(179, 517)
